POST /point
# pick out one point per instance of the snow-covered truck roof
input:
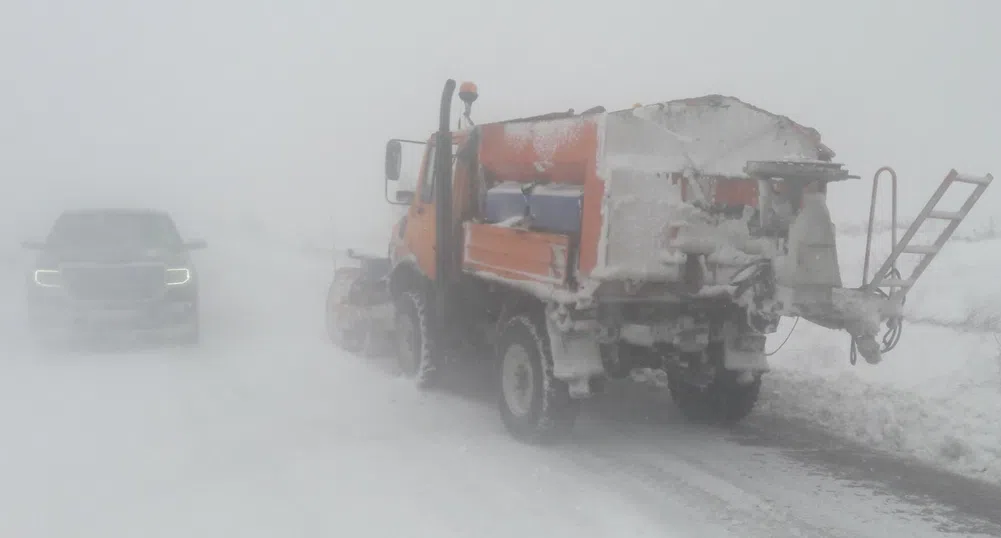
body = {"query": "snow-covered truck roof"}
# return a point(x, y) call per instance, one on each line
point(714, 135)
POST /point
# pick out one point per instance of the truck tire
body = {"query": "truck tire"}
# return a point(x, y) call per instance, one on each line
point(535, 406)
point(724, 400)
point(417, 352)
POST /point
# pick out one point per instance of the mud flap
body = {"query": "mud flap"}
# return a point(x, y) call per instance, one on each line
point(576, 358)
point(743, 349)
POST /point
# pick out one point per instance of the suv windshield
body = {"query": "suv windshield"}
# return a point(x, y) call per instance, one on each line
point(152, 230)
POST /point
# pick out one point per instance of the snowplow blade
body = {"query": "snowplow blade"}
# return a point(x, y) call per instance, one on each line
point(359, 307)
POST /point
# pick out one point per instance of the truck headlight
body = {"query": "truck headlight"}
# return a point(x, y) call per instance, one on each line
point(178, 276)
point(48, 278)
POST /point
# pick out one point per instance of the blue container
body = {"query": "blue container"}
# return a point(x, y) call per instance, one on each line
point(552, 208)
point(503, 202)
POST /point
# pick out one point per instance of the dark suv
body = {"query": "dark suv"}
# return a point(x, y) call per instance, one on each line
point(114, 271)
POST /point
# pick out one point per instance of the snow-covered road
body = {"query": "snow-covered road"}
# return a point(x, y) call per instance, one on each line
point(268, 431)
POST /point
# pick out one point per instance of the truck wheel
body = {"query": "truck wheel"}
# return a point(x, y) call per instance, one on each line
point(338, 330)
point(724, 400)
point(417, 352)
point(534, 405)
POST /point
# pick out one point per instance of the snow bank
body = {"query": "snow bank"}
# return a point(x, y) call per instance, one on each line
point(937, 395)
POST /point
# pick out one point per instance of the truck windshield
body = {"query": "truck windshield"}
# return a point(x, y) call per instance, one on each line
point(114, 229)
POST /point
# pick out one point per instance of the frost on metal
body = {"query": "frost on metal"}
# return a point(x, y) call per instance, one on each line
point(717, 135)
point(659, 166)
point(638, 208)
point(650, 152)
point(545, 137)
point(865, 312)
point(545, 291)
point(576, 357)
point(812, 259)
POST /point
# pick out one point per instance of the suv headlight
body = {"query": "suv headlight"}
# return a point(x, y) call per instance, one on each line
point(178, 276)
point(48, 278)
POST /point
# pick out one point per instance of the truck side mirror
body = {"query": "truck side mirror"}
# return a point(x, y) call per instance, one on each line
point(394, 160)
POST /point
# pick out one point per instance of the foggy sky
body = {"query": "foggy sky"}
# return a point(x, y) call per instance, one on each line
point(221, 109)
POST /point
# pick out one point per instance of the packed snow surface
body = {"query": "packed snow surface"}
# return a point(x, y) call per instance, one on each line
point(267, 430)
point(937, 395)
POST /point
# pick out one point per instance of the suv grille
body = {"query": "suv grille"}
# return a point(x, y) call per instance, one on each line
point(115, 282)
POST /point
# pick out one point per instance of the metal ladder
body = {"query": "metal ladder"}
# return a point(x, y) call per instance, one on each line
point(887, 275)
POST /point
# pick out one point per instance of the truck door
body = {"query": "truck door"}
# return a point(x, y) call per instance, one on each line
point(421, 228)
point(420, 233)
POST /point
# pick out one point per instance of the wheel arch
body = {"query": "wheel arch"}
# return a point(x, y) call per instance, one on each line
point(406, 276)
point(515, 302)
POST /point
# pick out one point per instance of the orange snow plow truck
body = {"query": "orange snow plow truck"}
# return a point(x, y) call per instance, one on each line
point(573, 248)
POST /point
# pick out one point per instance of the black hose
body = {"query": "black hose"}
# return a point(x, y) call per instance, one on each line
point(895, 325)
